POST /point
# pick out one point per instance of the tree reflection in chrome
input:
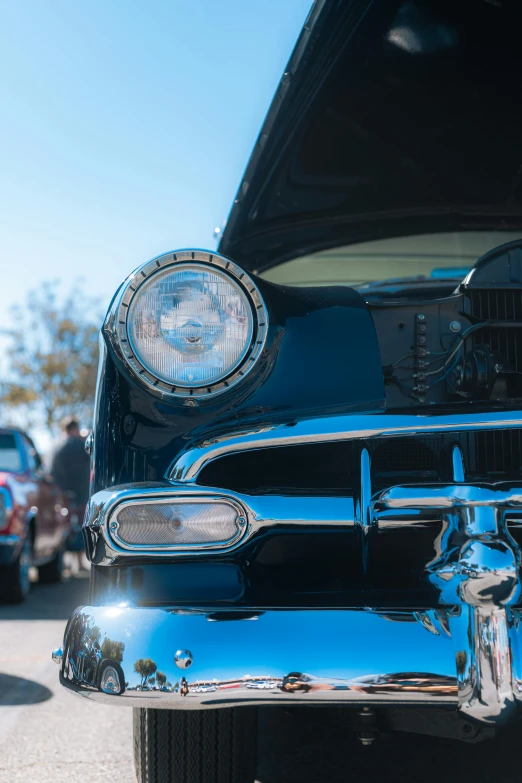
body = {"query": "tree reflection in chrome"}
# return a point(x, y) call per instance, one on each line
point(146, 668)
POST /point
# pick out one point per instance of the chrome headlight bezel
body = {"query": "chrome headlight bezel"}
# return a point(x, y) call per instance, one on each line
point(119, 326)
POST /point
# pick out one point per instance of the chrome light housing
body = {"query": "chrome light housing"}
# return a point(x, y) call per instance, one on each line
point(190, 324)
point(183, 524)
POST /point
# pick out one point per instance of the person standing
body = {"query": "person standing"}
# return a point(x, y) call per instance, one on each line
point(70, 469)
point(70, 463)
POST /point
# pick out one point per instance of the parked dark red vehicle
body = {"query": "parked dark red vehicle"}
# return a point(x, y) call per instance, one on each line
point(34, 522)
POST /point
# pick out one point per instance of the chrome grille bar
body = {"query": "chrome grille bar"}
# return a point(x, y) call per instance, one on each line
point(189, 464)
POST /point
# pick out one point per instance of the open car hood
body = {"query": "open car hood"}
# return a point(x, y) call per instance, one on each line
point(392, 118)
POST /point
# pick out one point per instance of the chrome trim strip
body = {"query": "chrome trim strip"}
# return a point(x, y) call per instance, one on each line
point(365, 496)
point(457, 463)
point(362, 505)
point(260, 511)
point(450, 496)
point(328, 429)
point(230, 658)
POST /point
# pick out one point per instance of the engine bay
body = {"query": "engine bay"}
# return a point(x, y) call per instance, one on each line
point(443, 344)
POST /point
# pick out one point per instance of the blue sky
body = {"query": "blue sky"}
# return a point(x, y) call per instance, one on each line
point(125, 129)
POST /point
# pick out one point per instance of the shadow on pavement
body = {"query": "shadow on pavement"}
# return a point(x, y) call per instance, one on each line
point(18, 690)
point(50, 602)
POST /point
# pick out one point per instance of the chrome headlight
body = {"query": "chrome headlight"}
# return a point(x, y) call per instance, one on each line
point(191, 323)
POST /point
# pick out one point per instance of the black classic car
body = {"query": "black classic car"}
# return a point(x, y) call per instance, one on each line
point(307, 447)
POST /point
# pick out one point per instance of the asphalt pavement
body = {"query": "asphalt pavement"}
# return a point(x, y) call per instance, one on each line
point(48, 735)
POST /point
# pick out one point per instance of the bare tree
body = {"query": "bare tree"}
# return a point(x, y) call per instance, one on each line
point(52, 357)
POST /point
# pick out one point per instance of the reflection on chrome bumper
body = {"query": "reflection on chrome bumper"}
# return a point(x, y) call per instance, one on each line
point(187, 660)
point(179, 659)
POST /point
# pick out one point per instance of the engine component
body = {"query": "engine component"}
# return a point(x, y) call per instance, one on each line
point(479, 371)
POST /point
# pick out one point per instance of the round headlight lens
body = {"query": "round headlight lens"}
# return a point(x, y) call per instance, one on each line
point(190, 325)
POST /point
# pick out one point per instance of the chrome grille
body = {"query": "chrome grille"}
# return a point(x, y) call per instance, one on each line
point(489, 455)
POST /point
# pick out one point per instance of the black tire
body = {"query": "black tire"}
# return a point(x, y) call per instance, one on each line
point(14, 578)
point(51, 573)
point(110, 664)
point(185, 746)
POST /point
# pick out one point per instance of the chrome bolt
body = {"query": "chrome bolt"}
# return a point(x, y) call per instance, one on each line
point(183, 659)
point(129, 424)
point(241, 521)
point(455, 326)
point(369, 733)
point(113, 526)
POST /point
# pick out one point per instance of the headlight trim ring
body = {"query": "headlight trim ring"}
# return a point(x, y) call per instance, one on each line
point(120, 327)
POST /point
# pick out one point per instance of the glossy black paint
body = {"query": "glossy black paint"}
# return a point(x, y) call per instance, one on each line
point(393, 117)
point(280, 568)
point(157, 584)
point(321, 356)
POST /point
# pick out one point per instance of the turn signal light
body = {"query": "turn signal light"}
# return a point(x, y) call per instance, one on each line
point(180, 524)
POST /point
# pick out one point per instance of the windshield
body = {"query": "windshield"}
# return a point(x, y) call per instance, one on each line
point(10, 458)
point(423, 257)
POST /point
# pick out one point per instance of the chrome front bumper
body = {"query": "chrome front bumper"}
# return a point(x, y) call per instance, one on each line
point(231, 658)
point(225, 658)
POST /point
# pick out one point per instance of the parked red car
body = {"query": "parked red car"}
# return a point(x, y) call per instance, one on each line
point(34, 522)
